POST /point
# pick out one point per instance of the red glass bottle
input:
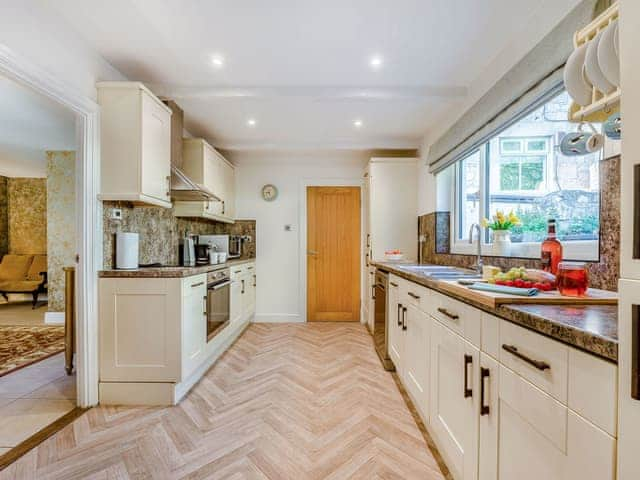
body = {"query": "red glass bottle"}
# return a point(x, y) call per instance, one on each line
point(551, 251)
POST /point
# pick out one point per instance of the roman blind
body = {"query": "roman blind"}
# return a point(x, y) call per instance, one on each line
point(532, 81)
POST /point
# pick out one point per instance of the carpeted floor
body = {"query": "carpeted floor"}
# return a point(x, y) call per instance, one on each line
point(23, 345)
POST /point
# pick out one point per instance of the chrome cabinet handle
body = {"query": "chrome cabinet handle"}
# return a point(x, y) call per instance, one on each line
point(485, 373)
point(539, 364)
point(446, 312)
point(411, 294)
point(468, 360)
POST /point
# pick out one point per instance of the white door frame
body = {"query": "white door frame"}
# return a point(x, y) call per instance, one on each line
point(324, 182)
point(88, 211)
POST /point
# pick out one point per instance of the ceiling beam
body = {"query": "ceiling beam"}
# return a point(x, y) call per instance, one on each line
point(319, 92)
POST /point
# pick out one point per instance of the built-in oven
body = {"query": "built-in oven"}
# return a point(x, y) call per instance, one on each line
point(218, 301)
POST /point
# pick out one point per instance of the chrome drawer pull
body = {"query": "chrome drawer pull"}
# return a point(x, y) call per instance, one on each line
point(539, 364)
point(446, 312)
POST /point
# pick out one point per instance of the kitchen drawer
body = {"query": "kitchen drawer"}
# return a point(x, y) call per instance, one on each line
point(540, 360)
point(238, 271)
point(593, 389)
point(194, 281)
point(418, 296)
point(459, 317)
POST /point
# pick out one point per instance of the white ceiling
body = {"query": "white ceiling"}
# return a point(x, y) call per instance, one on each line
point(30, 124)
point(301, 67)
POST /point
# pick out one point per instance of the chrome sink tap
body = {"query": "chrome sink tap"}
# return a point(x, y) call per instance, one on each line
point(479, 263)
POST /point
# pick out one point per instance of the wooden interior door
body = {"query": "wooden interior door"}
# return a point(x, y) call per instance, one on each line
point(333, 254)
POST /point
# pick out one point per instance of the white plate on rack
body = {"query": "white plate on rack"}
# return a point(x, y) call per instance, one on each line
point(592, 67)
point(575, 80)
point(608, 54)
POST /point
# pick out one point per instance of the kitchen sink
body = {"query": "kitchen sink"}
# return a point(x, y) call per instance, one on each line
point(442, 272)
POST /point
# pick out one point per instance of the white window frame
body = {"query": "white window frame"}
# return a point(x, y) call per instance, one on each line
point(584, 250)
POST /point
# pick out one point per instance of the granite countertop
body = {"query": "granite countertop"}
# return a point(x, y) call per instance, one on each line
point(592, 328)
point(171, 272)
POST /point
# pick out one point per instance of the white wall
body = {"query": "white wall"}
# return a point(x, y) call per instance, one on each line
point(32, 29)
point(279, 294)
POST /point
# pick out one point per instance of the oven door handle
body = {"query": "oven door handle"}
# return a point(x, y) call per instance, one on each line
point(220, 285)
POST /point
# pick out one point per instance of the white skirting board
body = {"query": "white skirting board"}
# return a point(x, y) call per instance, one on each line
point(54, 318)
point(278, 318)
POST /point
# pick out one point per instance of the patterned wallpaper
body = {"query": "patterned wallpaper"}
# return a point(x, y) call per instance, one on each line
point(4, 219)
point(160, 231)
point(27, 217)
point(61, 224)
point(603, 274)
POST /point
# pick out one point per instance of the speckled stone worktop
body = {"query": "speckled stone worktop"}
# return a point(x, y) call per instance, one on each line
point(171, 272)
point(592, 328)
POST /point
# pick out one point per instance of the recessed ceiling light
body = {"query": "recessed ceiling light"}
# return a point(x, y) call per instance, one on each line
point(218, 61)
point(376, 62)
point(251, 122)
point(357, 123)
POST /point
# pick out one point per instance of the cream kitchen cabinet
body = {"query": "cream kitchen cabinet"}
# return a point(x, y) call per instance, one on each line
point(153, 339)
point(409, 339)
point(205, 166)
point(135, 142)
point(243, 292)
point(454, 400)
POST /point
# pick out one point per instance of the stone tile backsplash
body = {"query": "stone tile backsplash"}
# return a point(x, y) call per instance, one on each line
point(160, 232)
point(604, 274)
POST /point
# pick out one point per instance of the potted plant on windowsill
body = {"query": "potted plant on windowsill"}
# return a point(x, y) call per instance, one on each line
point(501, 226)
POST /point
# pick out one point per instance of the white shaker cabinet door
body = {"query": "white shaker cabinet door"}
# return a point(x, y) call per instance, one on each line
point(194, 323)
point(453, 400)
point(156, 149)
point(236, 300)
point(394, 325)
point(415, 375)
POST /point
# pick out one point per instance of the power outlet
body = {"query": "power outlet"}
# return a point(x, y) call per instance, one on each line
point(116, 214)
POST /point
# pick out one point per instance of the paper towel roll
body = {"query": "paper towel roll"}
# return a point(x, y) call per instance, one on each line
point(127, 250)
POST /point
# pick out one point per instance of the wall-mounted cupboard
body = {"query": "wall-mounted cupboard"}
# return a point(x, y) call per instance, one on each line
point(500, 401)
point(135, 143)
point(207, 167)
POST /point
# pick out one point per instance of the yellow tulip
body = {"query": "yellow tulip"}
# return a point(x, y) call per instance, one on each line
point(484, 223)
point(500, 216)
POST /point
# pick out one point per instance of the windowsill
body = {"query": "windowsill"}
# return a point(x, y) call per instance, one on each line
point(586, 250)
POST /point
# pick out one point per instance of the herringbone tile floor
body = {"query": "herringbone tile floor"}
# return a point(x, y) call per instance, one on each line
point(294, 401)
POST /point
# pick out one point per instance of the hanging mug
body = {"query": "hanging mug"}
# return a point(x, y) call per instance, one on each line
point(580, 142)
point(612, 127)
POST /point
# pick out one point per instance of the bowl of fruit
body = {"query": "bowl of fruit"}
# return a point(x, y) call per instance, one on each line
point(393, 255)
point(521, 277)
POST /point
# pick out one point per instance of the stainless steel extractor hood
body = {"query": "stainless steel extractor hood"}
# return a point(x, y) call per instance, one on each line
point(185, 189)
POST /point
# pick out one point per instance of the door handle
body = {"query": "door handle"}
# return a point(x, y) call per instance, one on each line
point(404, 318)
point(373, 292)
point(242, 286)
point(513, 350)
point(255, 280)
point(399, 320)
point(168, 179)
point(485, 373)
point(205, 306)
point(312, 252)
point(468, 360)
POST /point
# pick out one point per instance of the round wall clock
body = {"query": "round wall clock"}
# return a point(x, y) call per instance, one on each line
point(269, 192)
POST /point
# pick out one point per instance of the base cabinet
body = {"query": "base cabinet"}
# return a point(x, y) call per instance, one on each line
point(528, 435)
point(453, 404)
point(415, 372)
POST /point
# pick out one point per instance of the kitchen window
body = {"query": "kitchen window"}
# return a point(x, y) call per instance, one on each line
point(522, 169)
